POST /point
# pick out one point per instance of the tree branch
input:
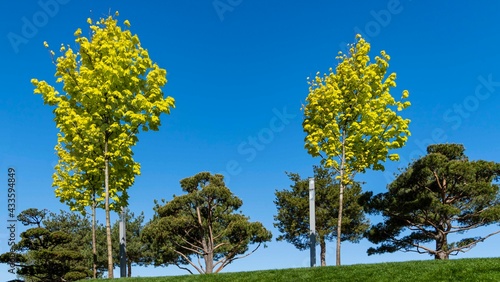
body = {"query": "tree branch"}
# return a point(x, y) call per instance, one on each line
point(189, 261)
point(472, 244)
point(228, 261)
point(184, 268)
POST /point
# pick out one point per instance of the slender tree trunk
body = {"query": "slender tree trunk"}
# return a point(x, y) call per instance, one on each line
point(322, 246)
point(339, 222)
point(94, 239)
point(341, 201)
point(129, 268)
point(108, 221)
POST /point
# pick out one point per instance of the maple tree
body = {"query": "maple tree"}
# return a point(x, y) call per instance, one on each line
point(111, 91)
point(351, 119)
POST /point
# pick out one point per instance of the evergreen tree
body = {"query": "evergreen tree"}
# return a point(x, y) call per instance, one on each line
point(441, 194)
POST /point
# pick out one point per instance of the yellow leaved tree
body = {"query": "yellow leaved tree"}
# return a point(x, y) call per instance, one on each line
point(350, 117)
point(111, 90)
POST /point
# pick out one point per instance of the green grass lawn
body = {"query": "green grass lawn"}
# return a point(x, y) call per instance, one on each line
point(483, 269)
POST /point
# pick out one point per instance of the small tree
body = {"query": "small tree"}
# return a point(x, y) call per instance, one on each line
point(350, 118)
point(80, 229)
point(202, 225)
point(44, 255)
point(293, 211)
point(440, 194)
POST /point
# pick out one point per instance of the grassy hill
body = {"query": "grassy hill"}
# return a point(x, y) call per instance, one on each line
point(483, 269)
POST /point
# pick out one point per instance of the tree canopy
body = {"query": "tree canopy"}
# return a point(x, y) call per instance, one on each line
point(440, 194)
point(202, 225)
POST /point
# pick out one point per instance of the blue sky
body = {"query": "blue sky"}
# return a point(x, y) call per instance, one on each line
point(237, 70)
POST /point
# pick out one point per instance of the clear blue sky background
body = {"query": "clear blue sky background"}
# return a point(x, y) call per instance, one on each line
point(236, 75)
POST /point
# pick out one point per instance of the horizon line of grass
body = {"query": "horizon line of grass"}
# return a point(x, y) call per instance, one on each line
point(471, 269)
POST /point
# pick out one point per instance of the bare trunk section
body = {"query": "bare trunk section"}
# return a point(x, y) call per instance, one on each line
point(208, 254)
point(108, 221)
point(441, 255)
point(341, 201)
point(94, 239)
point(129, 268)
point(322, 246)
point(209, 264)
point(339, 222)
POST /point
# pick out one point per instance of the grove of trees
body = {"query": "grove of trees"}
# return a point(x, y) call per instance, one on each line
point(109, 90)
point(438, 195)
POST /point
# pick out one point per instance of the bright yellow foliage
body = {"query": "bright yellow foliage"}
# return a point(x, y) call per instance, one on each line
point(110, 91)
point(351, 119)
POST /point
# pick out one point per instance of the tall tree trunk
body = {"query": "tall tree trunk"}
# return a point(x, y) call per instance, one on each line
point(129, 268)
point(322, 246)
point(108, 221)
point(94, 239)
point(341, 201)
